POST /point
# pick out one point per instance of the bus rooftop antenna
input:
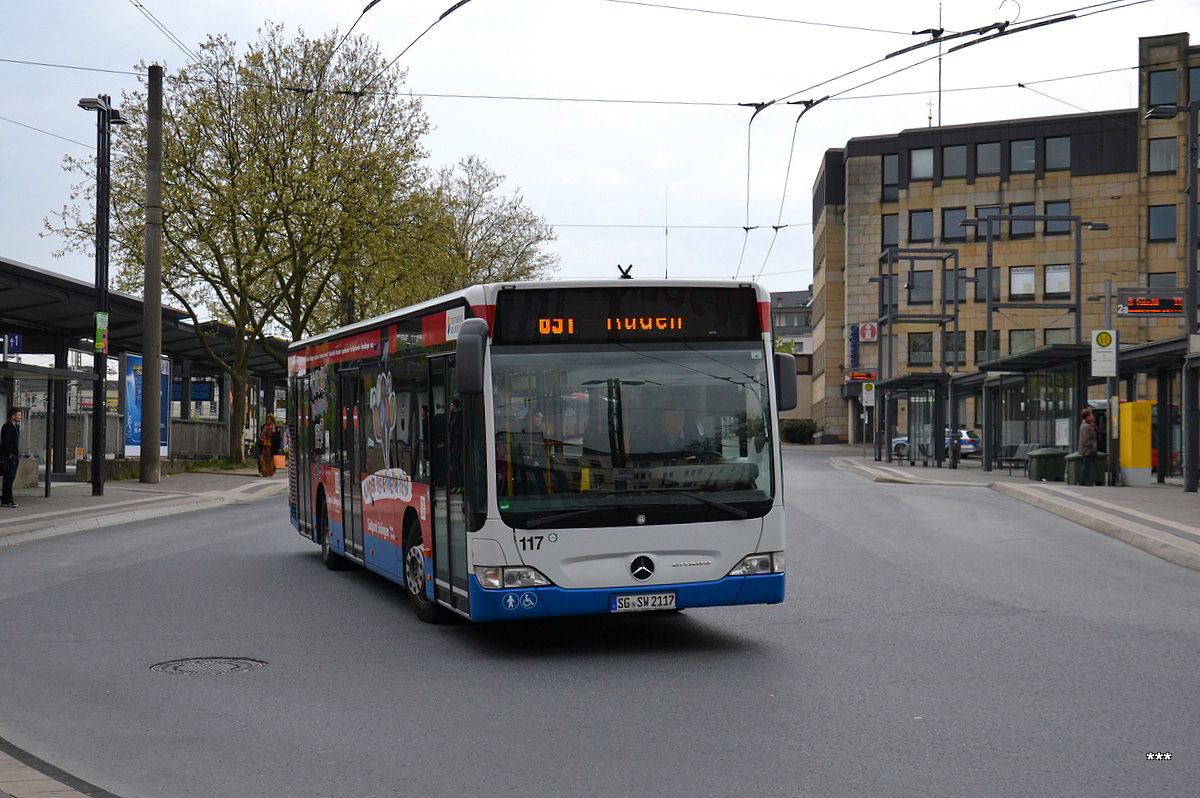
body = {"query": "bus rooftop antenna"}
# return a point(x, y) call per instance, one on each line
point(625, 272)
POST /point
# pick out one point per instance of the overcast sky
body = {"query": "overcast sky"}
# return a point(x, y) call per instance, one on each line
point(618, 121)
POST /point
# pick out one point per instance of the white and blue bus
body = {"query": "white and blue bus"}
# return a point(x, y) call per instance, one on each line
point(535, 449)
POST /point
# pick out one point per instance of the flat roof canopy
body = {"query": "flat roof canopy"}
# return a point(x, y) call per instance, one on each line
point(1044, 358)
point(51, 310)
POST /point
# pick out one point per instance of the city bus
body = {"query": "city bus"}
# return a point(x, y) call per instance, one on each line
point(539, 449)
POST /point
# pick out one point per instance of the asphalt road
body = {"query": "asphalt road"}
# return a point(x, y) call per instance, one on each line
point(936, 641)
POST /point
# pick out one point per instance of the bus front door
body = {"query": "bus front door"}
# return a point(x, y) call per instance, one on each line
point(351, 459)
point(449, 521)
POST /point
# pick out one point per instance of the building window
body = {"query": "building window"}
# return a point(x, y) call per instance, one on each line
point(953, 288)
point(1193, 84)
point(981, 348)
point(1058, 209)
point(1160, 280)
point(920, 349)
point(954, 347)
point(1022, 227)
point(1162, 222)
point(1021, 341)
point(984, 211)
point(1164, 155)
point(952, 224)
point(954, 160)
point(920, 226)
point(920, 164)
point(987, 158)
point(1056, 335)
point(1021, 282)
point(1162, 87)
point(1058, 153)
point(891, 178)
point(1058, 280)
point(891, 231)
point(920, 288)
point(981, 284)
point(1022, 155)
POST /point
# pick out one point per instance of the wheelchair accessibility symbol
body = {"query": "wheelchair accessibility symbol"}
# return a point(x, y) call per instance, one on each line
point(525, 601)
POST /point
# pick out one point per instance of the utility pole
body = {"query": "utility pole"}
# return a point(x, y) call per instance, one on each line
point(152, 398)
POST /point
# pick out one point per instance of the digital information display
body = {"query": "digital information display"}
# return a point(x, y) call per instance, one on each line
point(626, 315)
point(1146, 302)
point(1136, 305)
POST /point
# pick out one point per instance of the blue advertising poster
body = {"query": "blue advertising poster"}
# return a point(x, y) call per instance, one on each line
point(133, 405)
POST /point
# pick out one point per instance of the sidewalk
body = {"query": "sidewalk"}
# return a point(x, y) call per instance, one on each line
point(71, 507)
point(1162, 520)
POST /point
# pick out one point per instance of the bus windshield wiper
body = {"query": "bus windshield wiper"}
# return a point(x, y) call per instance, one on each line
point(736, 512)
point(556, 517)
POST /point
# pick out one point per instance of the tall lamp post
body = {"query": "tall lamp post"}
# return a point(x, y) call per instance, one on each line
point(106, 117)
point(1075, 305)
point(1191, 371)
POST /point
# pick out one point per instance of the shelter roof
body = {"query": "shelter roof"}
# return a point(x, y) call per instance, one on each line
point(52, 309)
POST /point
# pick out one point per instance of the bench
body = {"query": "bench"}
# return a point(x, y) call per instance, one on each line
point(1016, 455)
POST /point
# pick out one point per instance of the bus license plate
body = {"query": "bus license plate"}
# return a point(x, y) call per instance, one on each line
point(643, 601)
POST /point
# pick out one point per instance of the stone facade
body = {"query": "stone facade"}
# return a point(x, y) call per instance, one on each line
point(913, 188)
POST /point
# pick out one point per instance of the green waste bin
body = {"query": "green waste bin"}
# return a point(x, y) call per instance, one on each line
point(1075, 468)
point(1047, 465)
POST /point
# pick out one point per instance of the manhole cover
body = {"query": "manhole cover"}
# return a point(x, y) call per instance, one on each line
point(208, 665)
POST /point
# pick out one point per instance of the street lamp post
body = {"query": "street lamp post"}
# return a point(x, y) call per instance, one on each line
point(106, 117)
point(1075, 305)
point(1191, 372)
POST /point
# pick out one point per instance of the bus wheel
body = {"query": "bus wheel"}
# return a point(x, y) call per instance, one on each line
point(330, 557)
point(414, 576)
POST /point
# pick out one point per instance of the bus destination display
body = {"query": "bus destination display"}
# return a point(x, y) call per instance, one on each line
point(620, 315)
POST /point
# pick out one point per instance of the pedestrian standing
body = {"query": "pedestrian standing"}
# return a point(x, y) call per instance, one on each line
point(266, 447)
point(10, 455)
point(1089, 434)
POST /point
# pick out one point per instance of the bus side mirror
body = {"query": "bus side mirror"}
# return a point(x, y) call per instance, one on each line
point(472, 343)
point(785, 381)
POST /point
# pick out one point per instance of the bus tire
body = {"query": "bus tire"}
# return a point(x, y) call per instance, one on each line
point(414, 576)
point(332, 560)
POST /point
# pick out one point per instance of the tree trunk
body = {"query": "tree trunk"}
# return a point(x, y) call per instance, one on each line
point(237, 418)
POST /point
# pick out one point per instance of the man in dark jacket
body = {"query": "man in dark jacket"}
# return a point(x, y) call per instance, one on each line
point(10, 453)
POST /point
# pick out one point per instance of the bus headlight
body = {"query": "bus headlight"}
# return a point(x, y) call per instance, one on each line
point(494, 577)
point(771, 563)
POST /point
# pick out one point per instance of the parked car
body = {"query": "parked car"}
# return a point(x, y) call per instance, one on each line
point(968, 442)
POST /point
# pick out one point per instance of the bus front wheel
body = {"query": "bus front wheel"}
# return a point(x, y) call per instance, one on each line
point(414, 576)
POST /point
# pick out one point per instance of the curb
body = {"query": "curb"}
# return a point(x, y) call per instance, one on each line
point(1163, 545)
point(176, 505)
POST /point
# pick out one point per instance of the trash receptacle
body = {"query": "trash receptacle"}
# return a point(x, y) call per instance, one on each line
point(1047, 465)
point(1074, 467)
point(1099, 468)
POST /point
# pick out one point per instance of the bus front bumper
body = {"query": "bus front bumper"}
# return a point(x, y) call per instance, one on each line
point(549, 602)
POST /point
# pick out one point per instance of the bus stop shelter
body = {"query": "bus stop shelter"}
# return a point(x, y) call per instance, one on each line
point(1032, 400)
point(925, 394)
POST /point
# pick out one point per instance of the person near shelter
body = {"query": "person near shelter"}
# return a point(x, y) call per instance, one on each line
point(1089, 434)
point(267, 437)
point(10, 455)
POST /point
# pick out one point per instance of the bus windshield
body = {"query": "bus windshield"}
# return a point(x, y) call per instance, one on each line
point(613, 435)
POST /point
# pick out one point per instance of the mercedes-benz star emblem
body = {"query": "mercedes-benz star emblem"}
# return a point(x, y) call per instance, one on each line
point(642, 568)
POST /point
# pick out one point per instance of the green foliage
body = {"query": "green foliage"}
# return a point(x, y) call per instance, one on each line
point(294, 196)
point(797, 430)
